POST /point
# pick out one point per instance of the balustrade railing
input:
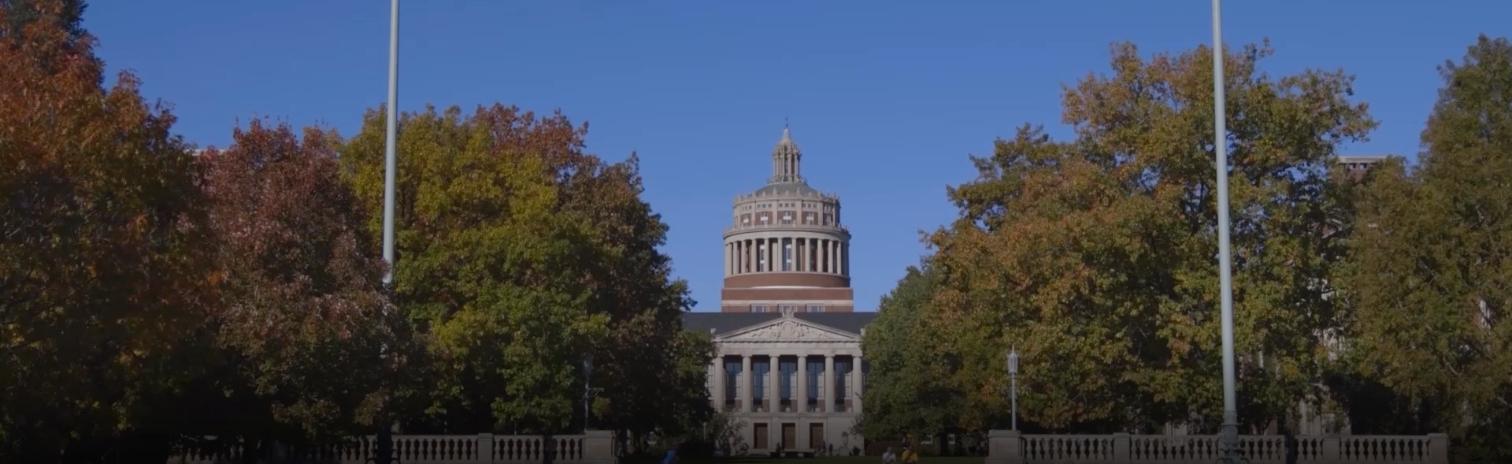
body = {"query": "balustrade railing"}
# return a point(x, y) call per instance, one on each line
point(595, 447)
point(1008, 447)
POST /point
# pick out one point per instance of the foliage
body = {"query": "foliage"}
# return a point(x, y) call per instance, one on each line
point(1096, 256)
point(104, 274)
point(519, 255)
point(908, 393)
point(303, 322)
point(1430, 273)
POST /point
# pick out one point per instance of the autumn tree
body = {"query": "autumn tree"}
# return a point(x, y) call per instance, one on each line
point(1430, 273)
point(520, 257)
point(908, 392)
point(104, 275)
point(309, 341)
point(1096, 255)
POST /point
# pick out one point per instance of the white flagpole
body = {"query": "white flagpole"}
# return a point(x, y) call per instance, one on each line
point(1230, 430)
point(388, 150)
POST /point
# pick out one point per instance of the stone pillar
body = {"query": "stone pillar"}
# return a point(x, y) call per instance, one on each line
point(856, 381)
point(803, 389)
point(811, 256)
point(827, 397)
point(1004, 447)
point(776, 254)
point(485, 449)
point(844, 258)
point(719, 383)
point(771, 386)
point(834, 256)
point(1121, 448)
point(598, 447)
point(743, 389)
point(854, 389)
point(1438, 448)
point(1329, 452)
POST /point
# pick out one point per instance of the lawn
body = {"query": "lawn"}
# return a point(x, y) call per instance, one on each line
point(836, 460)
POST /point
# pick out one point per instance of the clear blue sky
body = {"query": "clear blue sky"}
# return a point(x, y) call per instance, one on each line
point(886, 99)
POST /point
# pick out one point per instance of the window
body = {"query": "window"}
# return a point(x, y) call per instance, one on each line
point(732, 382)
point(758, 308)
point(815, 308)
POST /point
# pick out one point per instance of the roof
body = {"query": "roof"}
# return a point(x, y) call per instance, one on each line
point(800, 187)
point(727, 322)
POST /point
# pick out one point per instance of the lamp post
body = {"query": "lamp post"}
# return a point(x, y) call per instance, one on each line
point(587, 387)
point(1013, 365)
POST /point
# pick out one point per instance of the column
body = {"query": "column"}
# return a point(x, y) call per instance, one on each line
point(844, 253)
point(822, 256)
point(729, 261)
point(743, 390)
point(772, 387)
point(798, 246)
point(826, 397)
point(834, 258)
point(861, 381)
point(855, 383)
point(773, 255)
point(802, 395)
point(719, 383)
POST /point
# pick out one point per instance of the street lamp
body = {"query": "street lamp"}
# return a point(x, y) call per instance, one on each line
point(587, 387)
point(1013, 365)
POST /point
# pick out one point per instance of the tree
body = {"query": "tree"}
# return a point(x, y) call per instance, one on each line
point(104, 275)
point(1096, 256)
point(1430, 273)
point(310, 342)
point(908, 392)
point(519, 255)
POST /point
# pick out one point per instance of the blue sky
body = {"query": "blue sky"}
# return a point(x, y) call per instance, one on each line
point(886, 99)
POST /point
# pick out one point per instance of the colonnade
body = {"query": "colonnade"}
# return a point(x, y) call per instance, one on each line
point(786, 254)
point(745, 398)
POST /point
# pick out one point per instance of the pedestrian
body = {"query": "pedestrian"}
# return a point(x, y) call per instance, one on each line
point(671, 457)
point(909, 455)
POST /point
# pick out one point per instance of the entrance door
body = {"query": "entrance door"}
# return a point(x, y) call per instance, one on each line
point(816, 437)
point(759, 440)
point(789, 437)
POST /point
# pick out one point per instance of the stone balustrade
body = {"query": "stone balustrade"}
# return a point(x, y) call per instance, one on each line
point(594, 447)
point(1009, 447)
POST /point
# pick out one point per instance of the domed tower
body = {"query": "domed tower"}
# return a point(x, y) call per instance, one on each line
point(786, 249)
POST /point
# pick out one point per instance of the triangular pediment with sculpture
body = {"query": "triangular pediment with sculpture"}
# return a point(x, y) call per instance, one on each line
point(789, 328)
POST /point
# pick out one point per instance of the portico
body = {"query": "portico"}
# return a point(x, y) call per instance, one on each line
point(792, 382)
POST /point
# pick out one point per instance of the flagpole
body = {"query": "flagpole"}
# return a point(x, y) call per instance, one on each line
point(1229, 435)
point(388, 147)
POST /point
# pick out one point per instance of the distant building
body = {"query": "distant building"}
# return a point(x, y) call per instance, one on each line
point(1357, 165)
point(788, 365)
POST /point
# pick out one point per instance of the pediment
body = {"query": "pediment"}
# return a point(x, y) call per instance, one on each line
point(789, 329)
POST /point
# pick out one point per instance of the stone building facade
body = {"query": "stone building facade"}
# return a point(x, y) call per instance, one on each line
point(788, 367)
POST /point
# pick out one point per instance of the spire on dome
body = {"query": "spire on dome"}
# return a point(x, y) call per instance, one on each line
point(785, 158)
